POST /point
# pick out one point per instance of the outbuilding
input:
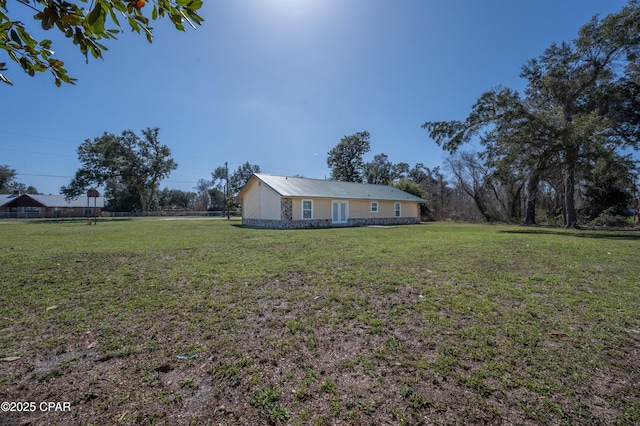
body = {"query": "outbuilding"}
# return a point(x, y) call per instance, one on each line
point(293, 202)
point(18, 205)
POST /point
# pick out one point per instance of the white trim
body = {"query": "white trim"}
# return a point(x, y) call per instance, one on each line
point(397, 210)
point(377, 207)
point(303, 210)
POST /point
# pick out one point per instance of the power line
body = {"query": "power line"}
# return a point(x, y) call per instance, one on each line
point(55, 176)
point(37, 137)
point(23, 151)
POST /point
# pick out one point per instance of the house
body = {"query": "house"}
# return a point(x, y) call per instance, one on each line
point(293, 202)
point(18, 205)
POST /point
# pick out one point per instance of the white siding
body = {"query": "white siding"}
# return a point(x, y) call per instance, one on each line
point(260, 202)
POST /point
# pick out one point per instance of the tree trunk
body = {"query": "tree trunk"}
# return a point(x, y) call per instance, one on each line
point(481, 208)
point(570, 216)
point(145, 200)
point(516, 204)
point(532, 195)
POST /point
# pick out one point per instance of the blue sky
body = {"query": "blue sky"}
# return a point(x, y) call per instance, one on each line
point(278, 83)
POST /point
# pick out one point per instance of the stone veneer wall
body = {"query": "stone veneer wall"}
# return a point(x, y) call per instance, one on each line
point(286, 208)
point(326, 223)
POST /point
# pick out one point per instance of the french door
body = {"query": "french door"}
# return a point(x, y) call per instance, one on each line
point(339, 212)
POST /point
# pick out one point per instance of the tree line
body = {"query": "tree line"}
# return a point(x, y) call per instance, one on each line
point(559, 152)
point(130, 167)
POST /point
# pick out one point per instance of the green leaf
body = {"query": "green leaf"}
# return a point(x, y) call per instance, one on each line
point(26, 37)
point(142, 19)
point(47, 16)
point(194, 5)
point(96, 18)
point(154, 13)
point(194, 17)
point(114, 18)
point(120, 6)
point(176, 18)
point(134, 25)
point(73, 20)
point(15, 37)
point(39, 67)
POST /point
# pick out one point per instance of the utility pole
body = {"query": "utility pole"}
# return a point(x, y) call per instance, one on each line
point(226, 189)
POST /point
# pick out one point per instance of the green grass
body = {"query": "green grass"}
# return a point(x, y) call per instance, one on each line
point(433, 323)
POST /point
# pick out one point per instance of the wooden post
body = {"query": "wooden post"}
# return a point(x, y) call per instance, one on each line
point(93, 193)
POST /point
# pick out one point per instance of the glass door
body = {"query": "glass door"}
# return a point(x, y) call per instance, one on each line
point(339, 212)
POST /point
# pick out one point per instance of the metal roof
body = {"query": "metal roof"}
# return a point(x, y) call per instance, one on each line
point(7, 198)
point(53, 200)
point(318, 188)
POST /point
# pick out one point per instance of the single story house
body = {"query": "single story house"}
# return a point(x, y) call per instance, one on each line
point(18, 205)
point(293, 202)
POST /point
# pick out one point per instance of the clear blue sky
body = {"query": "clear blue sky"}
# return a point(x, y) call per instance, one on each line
point(278, 83)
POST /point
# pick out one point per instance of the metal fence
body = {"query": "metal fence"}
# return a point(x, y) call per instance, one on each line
point(171, 213)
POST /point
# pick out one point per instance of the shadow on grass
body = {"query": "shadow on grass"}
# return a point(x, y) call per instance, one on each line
point(632, 235)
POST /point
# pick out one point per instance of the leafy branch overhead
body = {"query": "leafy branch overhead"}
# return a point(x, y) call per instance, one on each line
point(87, 24)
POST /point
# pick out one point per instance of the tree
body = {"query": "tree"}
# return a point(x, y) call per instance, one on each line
point(239, 178)
point(411, 187)
point(7, 176)
point(609, 186)
point(24, 189)
point(203, 187)
point(8, 182)
point(86, 25)
point(575, 79)
point(431, 183)
point(574, 107)
point(227, 186)
point(175, 199)
point(401, 170)
point(345, 159)
point(220, 177)
point(472, 177)
point(121, 197)
point(380, 171)
point(515, 138)
point(132, 161)
point(231, 184)
point(218, 199)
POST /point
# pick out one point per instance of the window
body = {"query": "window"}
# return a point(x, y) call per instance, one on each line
point(307, 209)
point(397, 212)
point(374, 207)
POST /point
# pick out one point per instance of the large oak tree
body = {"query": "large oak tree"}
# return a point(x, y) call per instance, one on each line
point(135, 162)
point(346, 158)
point(575, 107)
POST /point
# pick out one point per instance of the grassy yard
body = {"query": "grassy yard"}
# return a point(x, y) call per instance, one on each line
point(190, 322)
